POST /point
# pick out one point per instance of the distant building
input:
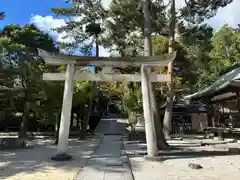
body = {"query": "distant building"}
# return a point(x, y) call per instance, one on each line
point(223, 96)
point(189, 117)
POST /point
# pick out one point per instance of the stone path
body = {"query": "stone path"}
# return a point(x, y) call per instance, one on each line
point(109, 162)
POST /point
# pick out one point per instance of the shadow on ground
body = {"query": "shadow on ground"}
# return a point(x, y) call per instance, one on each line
point(183, 150)
point(110, 158)
point(37, 159)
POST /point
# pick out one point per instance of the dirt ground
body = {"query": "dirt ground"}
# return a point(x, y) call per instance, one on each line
point(212, 155)
point(35, 163)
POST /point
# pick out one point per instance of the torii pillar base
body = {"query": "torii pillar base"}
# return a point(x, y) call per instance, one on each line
point(61, 157)
point(156, 158)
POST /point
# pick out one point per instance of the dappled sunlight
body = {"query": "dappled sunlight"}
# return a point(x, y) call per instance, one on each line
point(212, 155)
point(109, 159)
point(132, 79)
point(35, 162)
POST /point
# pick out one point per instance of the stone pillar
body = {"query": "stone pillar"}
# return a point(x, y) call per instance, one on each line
point(65, 116)
point(148, 113)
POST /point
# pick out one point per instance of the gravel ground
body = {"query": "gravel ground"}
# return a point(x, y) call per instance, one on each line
point(35, 164)
point(175, 167)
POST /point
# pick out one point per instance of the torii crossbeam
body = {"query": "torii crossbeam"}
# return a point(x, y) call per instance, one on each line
point(70, 76)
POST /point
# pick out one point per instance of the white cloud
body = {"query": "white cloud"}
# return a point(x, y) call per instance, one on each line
point(47, 23)
point(227, 15)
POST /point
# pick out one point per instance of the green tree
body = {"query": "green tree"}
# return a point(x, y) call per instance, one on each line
point(86, 28)
point(198, 44)
point(2, 15)
point(90, 13)
point(21, 57)
point(226, 50)
point(125, 30)
point(196, 11)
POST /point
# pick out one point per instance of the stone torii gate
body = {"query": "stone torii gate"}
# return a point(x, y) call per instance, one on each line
point(107, 63)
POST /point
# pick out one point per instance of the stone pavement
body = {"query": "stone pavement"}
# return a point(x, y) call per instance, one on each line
point(109, 162)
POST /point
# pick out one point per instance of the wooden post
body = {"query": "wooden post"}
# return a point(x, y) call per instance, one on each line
point(65, 117)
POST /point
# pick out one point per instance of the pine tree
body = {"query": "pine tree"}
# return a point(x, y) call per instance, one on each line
point(194, 12)
point(85, 21)
point(85, 31)
point(2, 15)
point(23, 65)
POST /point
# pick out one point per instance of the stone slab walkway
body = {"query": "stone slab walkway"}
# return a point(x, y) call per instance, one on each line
point(109, 162)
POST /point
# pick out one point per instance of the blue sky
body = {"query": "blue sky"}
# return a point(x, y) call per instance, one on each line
point(39, 12)
point(20, 11)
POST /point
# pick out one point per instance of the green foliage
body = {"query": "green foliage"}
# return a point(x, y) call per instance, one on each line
point(63, 11)
point(20, 61)
point(23, 67)
point(82, 92)
point(2, 15)
point(226, 46)
point(133, 99)
point(202, 54)
point(159, 45)
point(93, 29)
point(196, 11)
point(125, 29)
point(210, 58)
point(90, 12)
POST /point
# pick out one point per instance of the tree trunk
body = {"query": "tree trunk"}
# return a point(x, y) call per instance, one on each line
point(90, 103)
point(24, 123)
point(71, 120)
point(161, 141)
point(86, 118)
point(78, 118)
point(167, 122)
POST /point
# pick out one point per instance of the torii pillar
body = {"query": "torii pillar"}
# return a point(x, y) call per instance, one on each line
point(148, 113)
point(62, 146)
